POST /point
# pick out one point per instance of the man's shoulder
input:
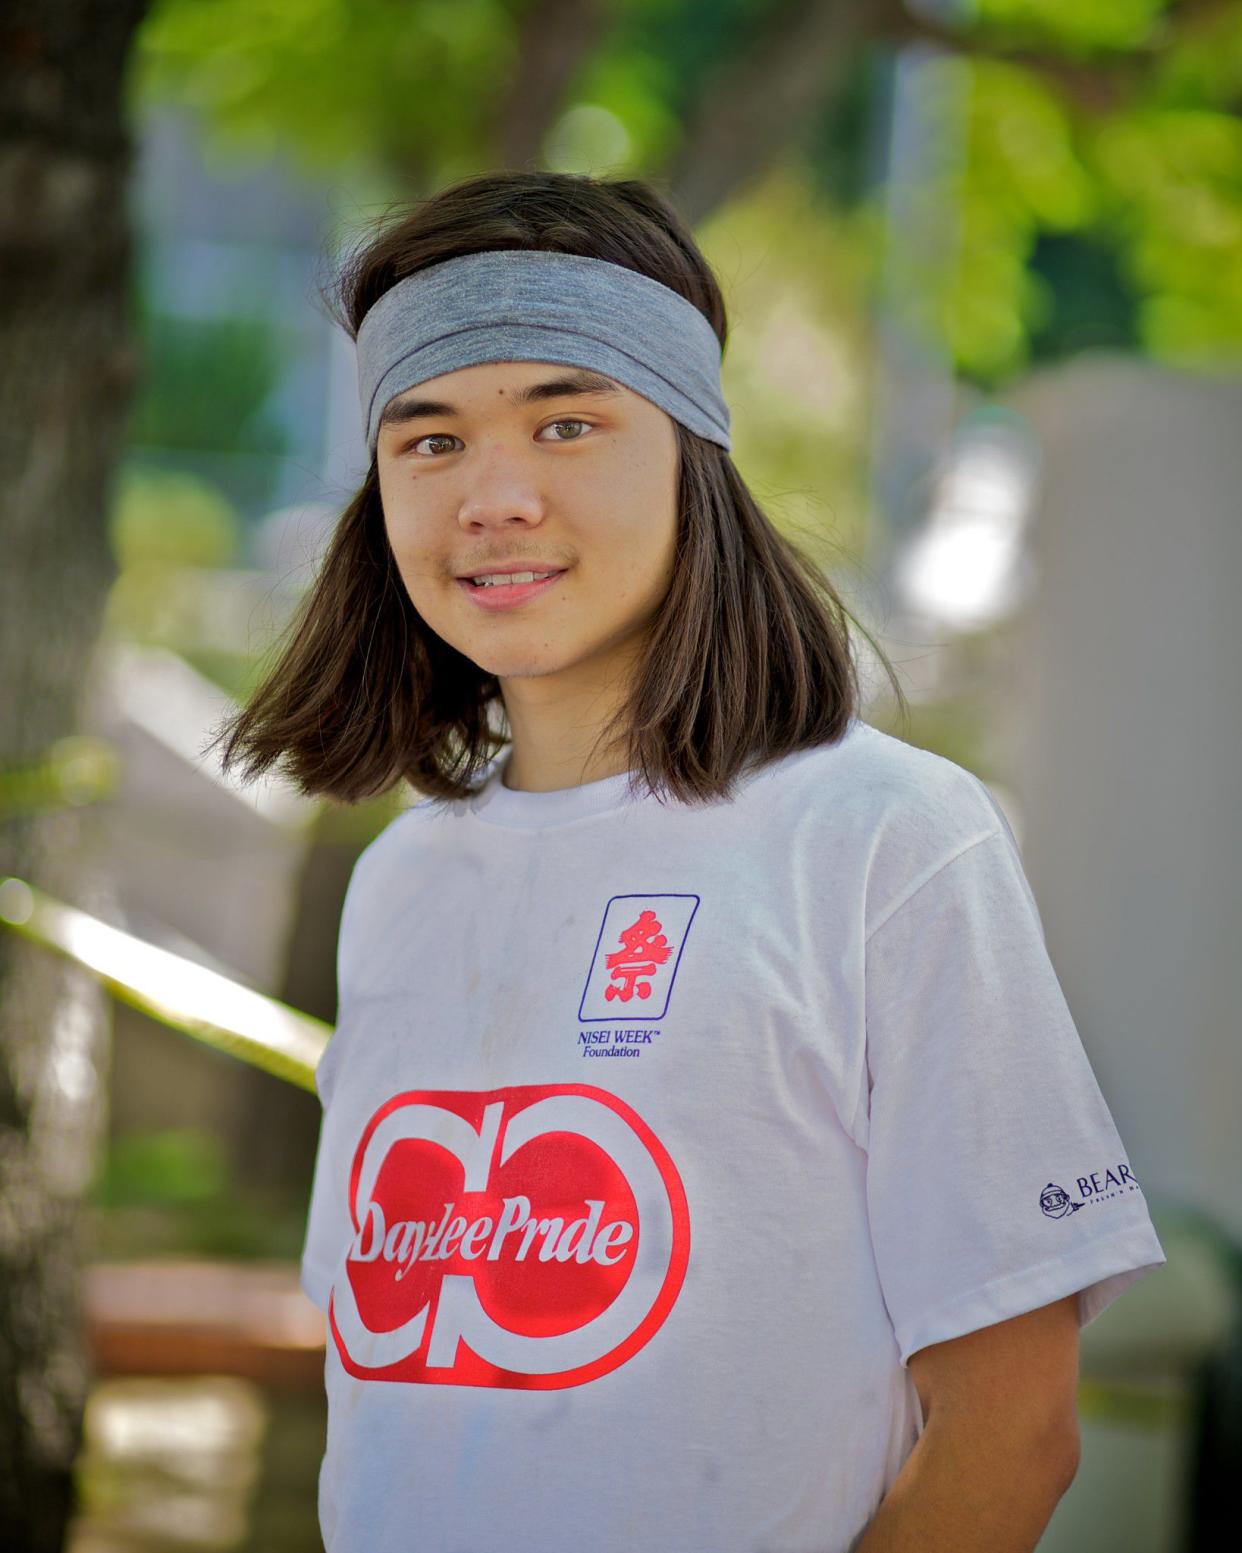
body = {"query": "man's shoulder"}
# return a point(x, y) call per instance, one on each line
point(883, 813)
point(878, 780)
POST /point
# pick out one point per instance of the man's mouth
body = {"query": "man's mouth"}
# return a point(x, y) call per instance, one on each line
point(495, 594)
point(508, 579)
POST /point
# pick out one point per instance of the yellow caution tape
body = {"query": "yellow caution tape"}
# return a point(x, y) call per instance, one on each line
point(177, 992)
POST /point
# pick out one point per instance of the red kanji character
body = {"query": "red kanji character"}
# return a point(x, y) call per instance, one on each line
point(646, 948)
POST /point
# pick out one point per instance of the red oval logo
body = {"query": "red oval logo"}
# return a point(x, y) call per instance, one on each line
point(535, 1236)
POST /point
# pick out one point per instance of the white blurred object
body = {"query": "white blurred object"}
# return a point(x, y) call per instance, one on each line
point(170, 700)
point(967, 567)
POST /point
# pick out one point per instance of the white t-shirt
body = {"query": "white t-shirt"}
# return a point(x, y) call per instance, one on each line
point(656, 1138)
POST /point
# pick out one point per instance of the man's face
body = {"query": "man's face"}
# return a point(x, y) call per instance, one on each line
point(582, 482)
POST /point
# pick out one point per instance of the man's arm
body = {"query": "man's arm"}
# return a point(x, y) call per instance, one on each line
point(1000, 1442)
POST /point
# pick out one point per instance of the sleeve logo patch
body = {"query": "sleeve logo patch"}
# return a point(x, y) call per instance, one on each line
point(1095, 1188)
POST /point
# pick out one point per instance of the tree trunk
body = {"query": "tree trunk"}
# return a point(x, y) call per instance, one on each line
point(68, 364)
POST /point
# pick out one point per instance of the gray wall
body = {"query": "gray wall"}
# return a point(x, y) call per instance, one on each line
point(1124, 736)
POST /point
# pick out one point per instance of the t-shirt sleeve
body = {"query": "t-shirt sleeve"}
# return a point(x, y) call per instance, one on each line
point(996, 1181)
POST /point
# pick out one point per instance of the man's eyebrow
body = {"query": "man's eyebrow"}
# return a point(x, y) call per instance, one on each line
point(398, 412)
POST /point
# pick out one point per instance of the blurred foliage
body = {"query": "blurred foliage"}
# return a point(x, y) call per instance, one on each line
point(175, 1192)
point(1172, 187)
point(798, 360)
point(177, 541)
point(166, 516)
point(206, 381)
point(332, 78)
point(1086, 302)
point(169, 1168)
point(169, 531)
point(1076, 27)
point(1101, 167)
point(1131, 165)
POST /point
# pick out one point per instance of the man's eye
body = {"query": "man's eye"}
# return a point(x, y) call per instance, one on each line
point(432, 436)
point(444, 436)
point(567, 423)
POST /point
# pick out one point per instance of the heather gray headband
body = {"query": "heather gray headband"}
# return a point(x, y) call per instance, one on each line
point(531, 305)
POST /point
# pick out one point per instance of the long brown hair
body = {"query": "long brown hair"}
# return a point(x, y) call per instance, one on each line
point(748, 659)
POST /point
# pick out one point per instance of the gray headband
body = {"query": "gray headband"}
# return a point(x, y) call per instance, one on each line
point(531, 305)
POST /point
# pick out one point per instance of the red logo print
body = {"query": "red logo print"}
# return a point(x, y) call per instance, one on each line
point(646, 949)
point(534, 1236)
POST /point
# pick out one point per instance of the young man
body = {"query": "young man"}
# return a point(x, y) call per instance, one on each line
point(709, 1159)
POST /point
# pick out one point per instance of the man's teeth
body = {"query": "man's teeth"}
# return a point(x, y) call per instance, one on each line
point(502, 579)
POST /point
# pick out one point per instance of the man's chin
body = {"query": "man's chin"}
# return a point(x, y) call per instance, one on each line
point(516, 663)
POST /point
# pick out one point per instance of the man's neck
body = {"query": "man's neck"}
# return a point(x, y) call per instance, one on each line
point(528, 772)
point(556, 728)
